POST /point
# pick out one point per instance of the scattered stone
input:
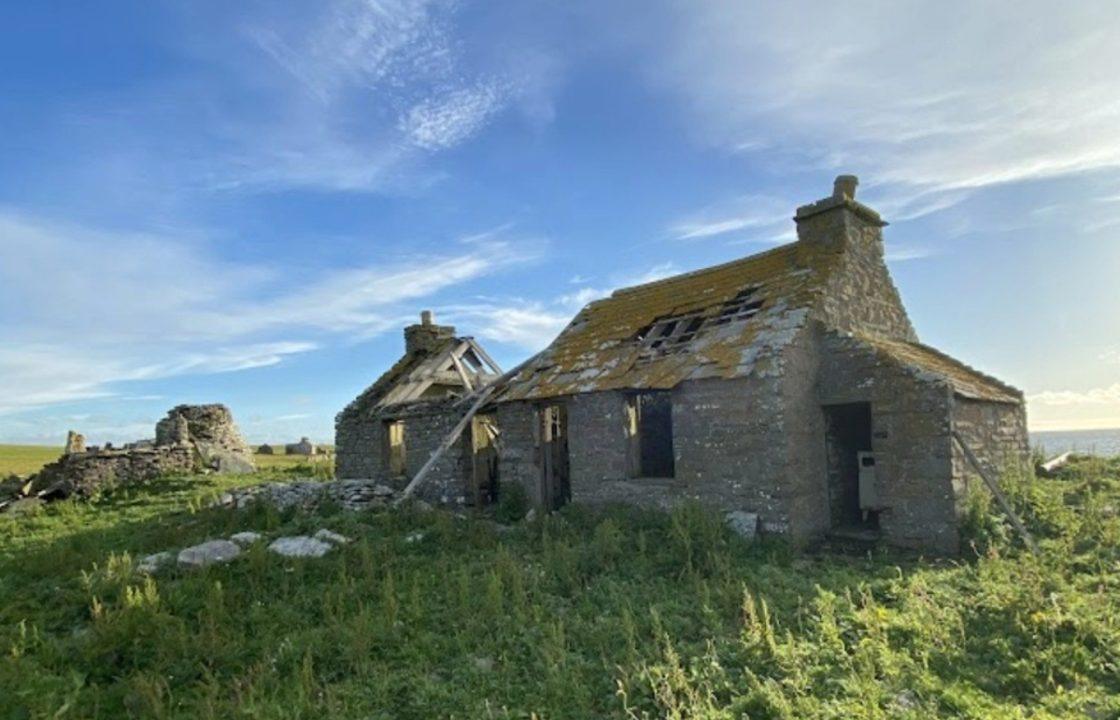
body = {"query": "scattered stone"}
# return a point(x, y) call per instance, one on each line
point(266, 450)
point(331, 537)
point(300, 546)
point(414, 537)
point(351, 495)
point(151, 564)
point(246, 538)
point(906, 700)
point(208, 553)
point(743, 523)
point(531, 515)
point(485, 664)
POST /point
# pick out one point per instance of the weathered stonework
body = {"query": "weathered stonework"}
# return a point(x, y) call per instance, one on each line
point(192, 438)
point(85, 474)
point(799, 395)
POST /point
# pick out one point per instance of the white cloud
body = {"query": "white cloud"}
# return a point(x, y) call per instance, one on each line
point(1075, 410)
point(532, 325)
point(85, 310)
point(1096, 396)
point(368, 84)
point(445, 121)
point(933, 97)
point(760, 214)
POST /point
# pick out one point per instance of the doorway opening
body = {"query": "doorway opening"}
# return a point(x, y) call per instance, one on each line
point(649, 430)
point(848, 441)
point(393, 450)
point(556, 489)
point(484, 460)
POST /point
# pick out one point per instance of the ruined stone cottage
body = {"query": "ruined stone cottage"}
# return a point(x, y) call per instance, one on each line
point(391, 429)
point(789, 385)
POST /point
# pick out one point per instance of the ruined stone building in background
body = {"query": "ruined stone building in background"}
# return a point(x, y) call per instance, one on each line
point(390, 430)
point(789, 384)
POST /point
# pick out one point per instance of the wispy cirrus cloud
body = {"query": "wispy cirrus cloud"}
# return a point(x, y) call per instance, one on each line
point(928, 102)
point(751, 216)
point(144, 307)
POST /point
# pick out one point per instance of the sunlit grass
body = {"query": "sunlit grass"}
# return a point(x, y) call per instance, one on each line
point(578, 615)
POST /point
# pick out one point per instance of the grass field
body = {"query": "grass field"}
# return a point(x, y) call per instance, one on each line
point(576, 615)
point(28, 459)
point(25, 459)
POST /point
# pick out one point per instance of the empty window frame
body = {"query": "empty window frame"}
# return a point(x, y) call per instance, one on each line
point(671, 334)
point(649, 428)
point(394, 448)
point(744, 305)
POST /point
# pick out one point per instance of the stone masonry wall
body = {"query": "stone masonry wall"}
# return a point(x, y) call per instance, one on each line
point(860, 294)
point(996, 433)
point(806, 491)
point(597, 444)
point(910, 424)
point(517, 448)
point(87, 473)
point(360, 446)
point(729, 439)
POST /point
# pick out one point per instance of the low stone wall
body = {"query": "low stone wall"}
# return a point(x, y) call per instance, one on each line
point(86, 473)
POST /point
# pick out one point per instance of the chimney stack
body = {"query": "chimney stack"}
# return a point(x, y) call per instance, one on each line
point(839, 219)
point(427, 336)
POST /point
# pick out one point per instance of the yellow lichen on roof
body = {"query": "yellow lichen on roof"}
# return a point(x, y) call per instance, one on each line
point(966, 381)
point(600, 349)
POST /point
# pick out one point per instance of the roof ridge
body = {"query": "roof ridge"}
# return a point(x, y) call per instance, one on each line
point(699, 271)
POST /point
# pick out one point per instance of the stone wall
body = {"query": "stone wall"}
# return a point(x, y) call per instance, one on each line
point(517, 448)
point(210, 424)
point(95, 470)
point(597, 444)
point(910, 425)
point(997, 434)
point(361, 446)
point(860, 294)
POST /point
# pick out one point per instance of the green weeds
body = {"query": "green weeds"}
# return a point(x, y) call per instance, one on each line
point(619, 613)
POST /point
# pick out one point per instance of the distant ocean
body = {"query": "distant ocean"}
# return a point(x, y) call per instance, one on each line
point(1096, 442)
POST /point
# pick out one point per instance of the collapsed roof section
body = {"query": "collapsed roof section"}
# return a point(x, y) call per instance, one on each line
point(436, 365)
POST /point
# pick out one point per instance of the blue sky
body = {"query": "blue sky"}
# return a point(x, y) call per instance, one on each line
point(244, 202)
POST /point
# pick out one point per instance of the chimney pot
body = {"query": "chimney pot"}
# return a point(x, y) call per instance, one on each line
point(845, 187)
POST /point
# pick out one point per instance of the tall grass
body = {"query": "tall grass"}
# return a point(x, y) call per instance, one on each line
point(580, 614)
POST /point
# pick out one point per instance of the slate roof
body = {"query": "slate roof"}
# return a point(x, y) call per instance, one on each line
point(732, 320)
point(965, 380)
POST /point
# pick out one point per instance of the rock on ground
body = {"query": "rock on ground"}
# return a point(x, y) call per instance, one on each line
point(743, 523)
point(300, 546)
point(208, 553)
point(331, 537)
point(246, 538)
point(150, 564)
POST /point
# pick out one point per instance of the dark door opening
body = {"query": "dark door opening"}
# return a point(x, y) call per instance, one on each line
point(556, 489)
point(649, 428)
point(484, 460)
point(847, 434)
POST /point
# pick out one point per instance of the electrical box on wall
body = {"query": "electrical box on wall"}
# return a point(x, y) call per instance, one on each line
point(868, 490)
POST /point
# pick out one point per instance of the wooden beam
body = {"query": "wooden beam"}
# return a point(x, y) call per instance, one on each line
point(484, 357)
point(462, 372)
point(994, 487)
point(445, 445)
